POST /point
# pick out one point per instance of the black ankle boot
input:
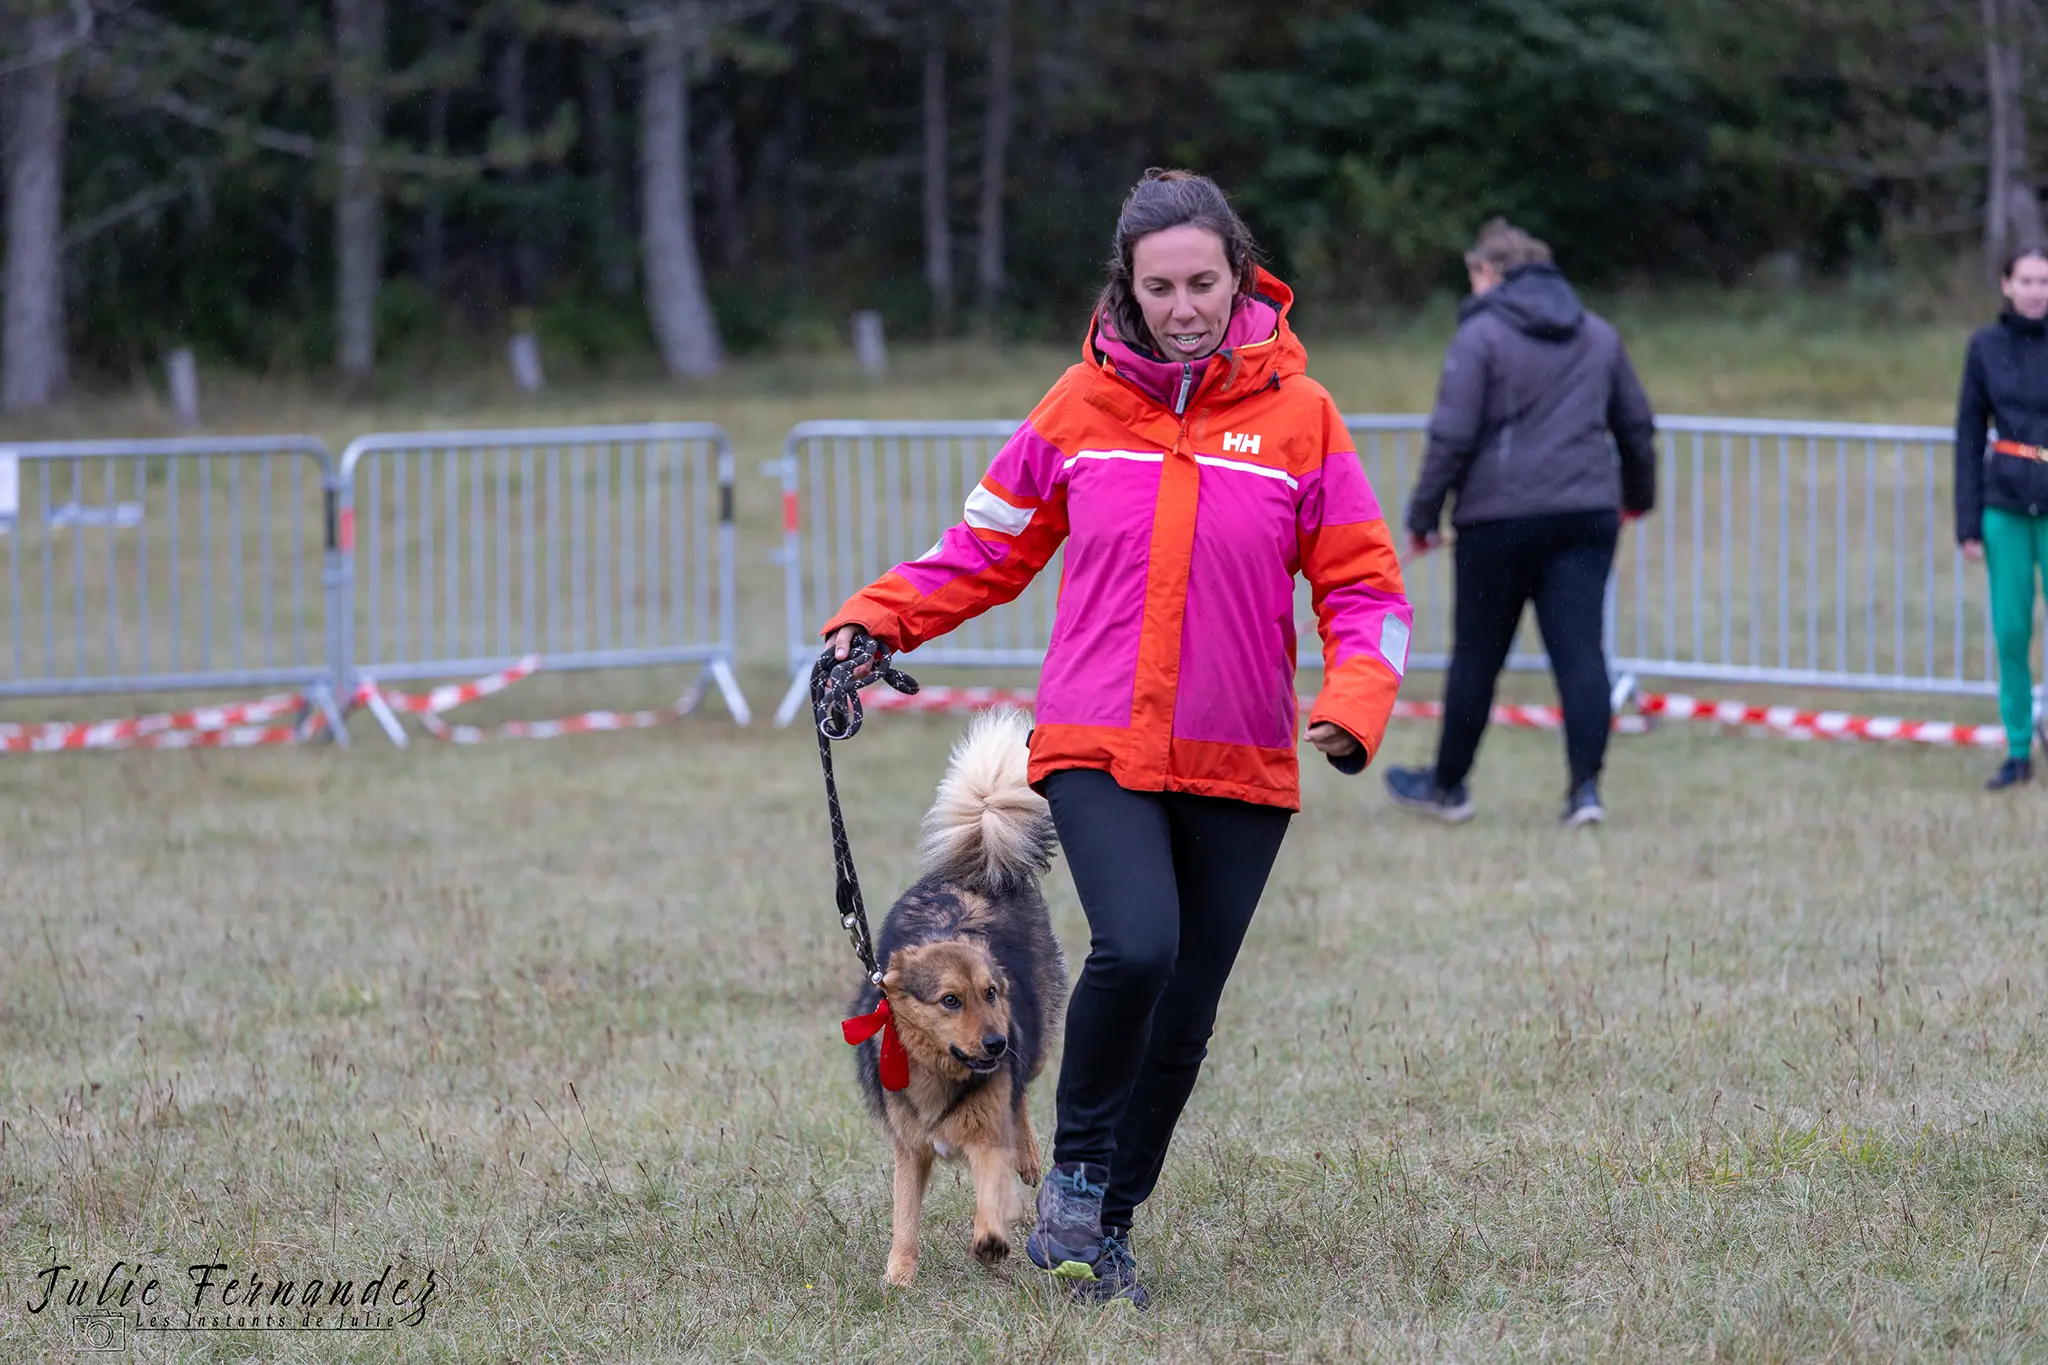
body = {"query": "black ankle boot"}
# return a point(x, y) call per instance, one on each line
point(2015, 771)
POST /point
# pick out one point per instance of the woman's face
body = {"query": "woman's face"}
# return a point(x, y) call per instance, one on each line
point(2026, 289)
point(1185, 289)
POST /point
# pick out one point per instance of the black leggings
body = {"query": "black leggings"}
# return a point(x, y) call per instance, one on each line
point(1168, 882)
point(1561, 563)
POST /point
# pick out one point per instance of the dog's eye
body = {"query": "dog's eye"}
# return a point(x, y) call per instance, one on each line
point(951, 1002)
point(990, 995)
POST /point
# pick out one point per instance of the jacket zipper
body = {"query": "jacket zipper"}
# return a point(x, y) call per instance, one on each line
point(1187, 380)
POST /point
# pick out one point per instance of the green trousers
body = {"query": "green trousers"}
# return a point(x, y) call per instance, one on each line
point(2015, 552)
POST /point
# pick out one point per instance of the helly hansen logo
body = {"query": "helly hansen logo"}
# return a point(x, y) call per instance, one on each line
point(1241, 442)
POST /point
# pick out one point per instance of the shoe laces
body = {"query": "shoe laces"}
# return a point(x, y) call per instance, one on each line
point(1074, 1182)
point(1117, 1257)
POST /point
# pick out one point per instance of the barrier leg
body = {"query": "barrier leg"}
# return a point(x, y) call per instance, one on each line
point(322, 698)
point(720, 672)
point(373, 698)
point(799, 692)
point(1624, 692)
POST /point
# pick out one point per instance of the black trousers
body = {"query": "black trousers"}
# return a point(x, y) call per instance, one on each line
point(1561, 563)
point(1168, 882)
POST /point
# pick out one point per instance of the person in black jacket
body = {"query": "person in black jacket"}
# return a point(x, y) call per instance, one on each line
point(1532, 386)
point(2002, 496)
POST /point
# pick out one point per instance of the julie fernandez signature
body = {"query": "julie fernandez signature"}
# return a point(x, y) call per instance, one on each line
point(228, 1296)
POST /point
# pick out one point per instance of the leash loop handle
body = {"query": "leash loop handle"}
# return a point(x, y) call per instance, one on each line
point(836, 684)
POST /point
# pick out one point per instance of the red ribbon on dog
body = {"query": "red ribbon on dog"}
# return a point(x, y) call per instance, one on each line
point(895, 1065)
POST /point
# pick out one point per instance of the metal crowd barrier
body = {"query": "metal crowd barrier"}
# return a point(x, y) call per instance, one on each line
point(166, 566)
point(594, 547)
point(1790, 553)
point(1816, 554)
point(1794, 553)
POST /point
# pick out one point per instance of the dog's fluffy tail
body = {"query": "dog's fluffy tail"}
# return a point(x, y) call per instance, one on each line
point(988, 829)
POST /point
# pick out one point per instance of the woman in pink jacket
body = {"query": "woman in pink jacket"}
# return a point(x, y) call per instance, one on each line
point(1192, 469)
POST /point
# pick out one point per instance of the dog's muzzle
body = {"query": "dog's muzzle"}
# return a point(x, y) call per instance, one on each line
point(992, 1049)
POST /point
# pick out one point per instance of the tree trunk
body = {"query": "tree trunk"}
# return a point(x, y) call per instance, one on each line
point(33, 362)
point(938, 234)
point(358, 206)
point(433, 261)
point(676, 300)
point(610, 239)
point(779, 168)
point(2012, 207)
point(725, 192)
point(995, 148)
point(794, 208)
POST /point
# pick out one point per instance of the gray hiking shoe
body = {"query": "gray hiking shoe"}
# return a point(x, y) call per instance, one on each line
point(1068, 1238)
point(1116, 1274)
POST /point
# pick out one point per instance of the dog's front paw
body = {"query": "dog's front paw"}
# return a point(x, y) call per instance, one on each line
point(990, 1248)
point(901, 1271)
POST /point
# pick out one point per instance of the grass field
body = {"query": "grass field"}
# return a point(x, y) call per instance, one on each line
point(1755, 1073)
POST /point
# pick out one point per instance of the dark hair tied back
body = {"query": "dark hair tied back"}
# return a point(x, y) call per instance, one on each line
point(2025, 253)
point(1170, 199)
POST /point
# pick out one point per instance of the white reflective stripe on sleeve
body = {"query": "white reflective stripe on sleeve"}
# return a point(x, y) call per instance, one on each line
point(987, 512)
point(1394, 644)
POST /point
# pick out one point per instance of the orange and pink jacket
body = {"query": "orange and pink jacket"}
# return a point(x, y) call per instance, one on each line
point(1188, 497)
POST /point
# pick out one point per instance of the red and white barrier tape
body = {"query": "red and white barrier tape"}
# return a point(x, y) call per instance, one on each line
point(429, 706)
point(949, 699)
point(450, 695)
point(589, 722)
point(1793, 723)
point(235, 737)
point(1515, 717)
point(235, 725)
point(1786, 721)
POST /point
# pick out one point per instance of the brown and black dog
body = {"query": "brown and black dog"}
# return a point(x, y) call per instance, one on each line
point(977, 987)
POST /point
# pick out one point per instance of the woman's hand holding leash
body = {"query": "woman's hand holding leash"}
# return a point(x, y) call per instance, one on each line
point(841, 644)
point(1973, 550)
point(853, 659)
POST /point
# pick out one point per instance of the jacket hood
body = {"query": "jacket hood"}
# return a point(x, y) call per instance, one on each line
point(1533, 299)
point(1257, 339)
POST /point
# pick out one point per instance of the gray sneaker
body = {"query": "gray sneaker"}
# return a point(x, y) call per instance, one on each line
point(1415, 789)
point(1116, 1274)
point(1582, 806)
point(1068, 1238)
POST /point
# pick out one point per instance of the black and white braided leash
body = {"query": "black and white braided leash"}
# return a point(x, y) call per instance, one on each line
point(835, 704)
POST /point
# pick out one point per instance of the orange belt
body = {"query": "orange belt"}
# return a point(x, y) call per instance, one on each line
point(2025, 452)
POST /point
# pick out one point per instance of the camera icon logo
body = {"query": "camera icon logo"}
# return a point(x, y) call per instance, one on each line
point(100, 1332)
